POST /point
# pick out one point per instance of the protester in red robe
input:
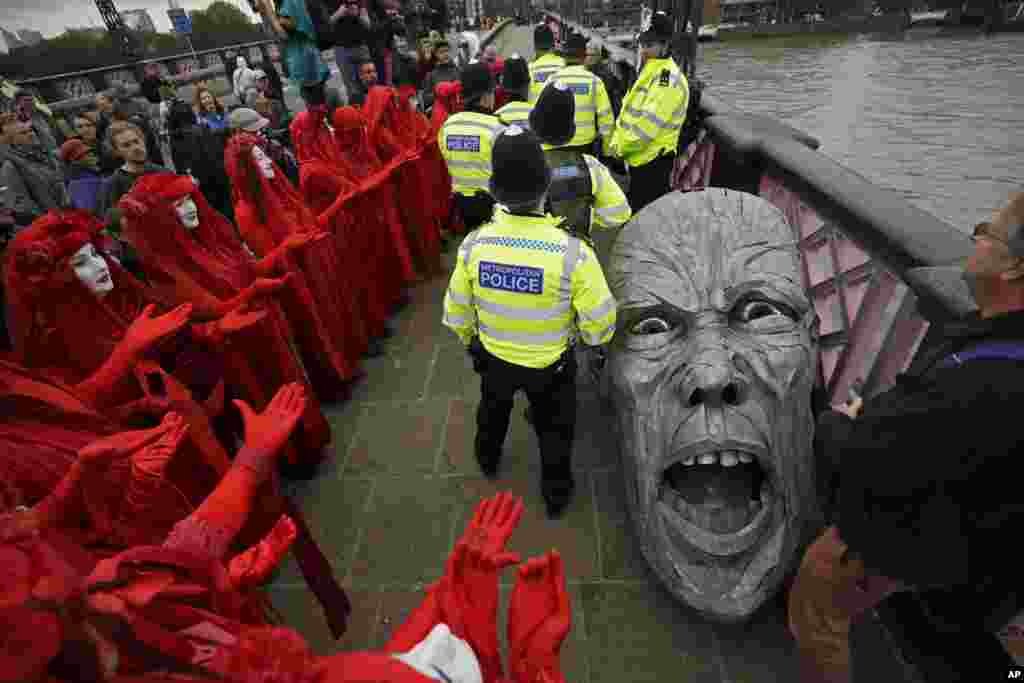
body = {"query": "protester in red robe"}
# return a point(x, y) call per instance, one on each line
point(59, 284)
point(190, 254)
point(340, 201)
point(173, 607)
point(269, 211)
point(138, 602)
point(45, 423)
point(359, 159)
point(394, 129)
point(447, 101)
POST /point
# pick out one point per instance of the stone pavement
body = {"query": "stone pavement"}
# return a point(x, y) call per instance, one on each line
point(389, 506)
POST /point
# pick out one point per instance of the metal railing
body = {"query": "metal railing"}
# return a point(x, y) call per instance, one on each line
point(71, 91)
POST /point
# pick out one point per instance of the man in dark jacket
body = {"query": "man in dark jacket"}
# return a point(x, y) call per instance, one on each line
point(32, 177)
point(929, 499)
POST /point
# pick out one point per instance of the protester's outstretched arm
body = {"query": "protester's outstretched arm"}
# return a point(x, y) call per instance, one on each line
point(539, 620)
point(143, 334)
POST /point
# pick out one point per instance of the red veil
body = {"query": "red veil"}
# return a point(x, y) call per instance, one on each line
point(359, 159)
point(208, 267)
point(394, 128)
point(319, 308)
point(338, 198)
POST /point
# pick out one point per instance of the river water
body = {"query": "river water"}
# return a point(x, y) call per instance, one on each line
point(938, 119)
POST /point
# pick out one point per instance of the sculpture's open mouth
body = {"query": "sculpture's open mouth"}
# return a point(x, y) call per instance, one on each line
point(719, 499)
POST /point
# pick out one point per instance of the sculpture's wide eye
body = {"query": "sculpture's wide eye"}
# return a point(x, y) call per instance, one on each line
point(651, 326)
point(762, 310)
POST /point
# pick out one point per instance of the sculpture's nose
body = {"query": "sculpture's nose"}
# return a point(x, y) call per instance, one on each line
point(713, 382)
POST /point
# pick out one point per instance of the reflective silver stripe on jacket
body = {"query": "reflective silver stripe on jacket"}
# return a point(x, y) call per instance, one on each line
point(460, 298)
point(600, 311)
point(611, 211)
point(469, 165)
point(653, 118)
point(524, 337)
point(489, 127)
point(569, 261)
point(595, 339)
point(454, 320)
point(636, 130)
point(517, 313)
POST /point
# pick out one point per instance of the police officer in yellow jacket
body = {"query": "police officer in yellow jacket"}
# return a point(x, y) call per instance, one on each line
point(465, 141)
point(582, 191)
point(515, 79)
point(594, 119)
point(521, 290)
point(647, 133)
point(546, 63)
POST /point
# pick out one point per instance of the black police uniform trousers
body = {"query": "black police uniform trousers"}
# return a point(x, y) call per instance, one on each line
point(475, 210)
point(651, 181)
point(552, 395)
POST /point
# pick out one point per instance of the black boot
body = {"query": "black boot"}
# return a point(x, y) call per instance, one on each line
point(557, 486)
point(488, 462)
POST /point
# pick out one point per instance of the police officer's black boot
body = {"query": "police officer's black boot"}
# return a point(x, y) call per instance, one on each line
point(488, 461)
point(557, 486)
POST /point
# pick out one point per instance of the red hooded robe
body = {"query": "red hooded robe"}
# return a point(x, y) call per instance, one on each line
point(394, 129)
point(49, 308)
point(319, 307)
point(209, 268)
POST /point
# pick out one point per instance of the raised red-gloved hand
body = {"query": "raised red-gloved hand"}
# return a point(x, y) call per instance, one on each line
point(468, 597)
point(266, 432)
point(253, 566)
point(418, 625)
point(492, 525)
point(539, 619)
point(148, 329)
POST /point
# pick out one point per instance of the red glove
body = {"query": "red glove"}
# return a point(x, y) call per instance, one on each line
point(101, 453)
point(539, 619)
point(469, 605)
point(492, 525)
point(147, 329)
point(141, 335)
point(266, 432)
point(419, 624)
point(253, 566)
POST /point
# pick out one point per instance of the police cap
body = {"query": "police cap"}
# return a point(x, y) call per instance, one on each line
point(477, 80)
point(516, 75)
point(521, 174)
point(660, 30)
point(553, 118)
point(543, 38)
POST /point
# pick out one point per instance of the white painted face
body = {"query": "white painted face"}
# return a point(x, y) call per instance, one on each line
point(444, 657)
point(188, 213)
point(264, 163)
point(92, 271)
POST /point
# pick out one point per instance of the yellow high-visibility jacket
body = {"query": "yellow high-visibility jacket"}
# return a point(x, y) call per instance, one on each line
point(466, 140)
point(594, 116)
point(652, 113)
point(541, 69)
point(515, 113)
point(611, 209)
point(526, 287)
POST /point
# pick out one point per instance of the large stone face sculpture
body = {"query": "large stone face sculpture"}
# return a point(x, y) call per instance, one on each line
point(710, 374)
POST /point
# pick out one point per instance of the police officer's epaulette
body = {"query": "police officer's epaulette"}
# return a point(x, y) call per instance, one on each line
point(665, 77)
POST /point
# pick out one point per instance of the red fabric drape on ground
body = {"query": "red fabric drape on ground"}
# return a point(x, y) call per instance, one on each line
point(319, 307)
point(392, 132)
point(208, 267)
